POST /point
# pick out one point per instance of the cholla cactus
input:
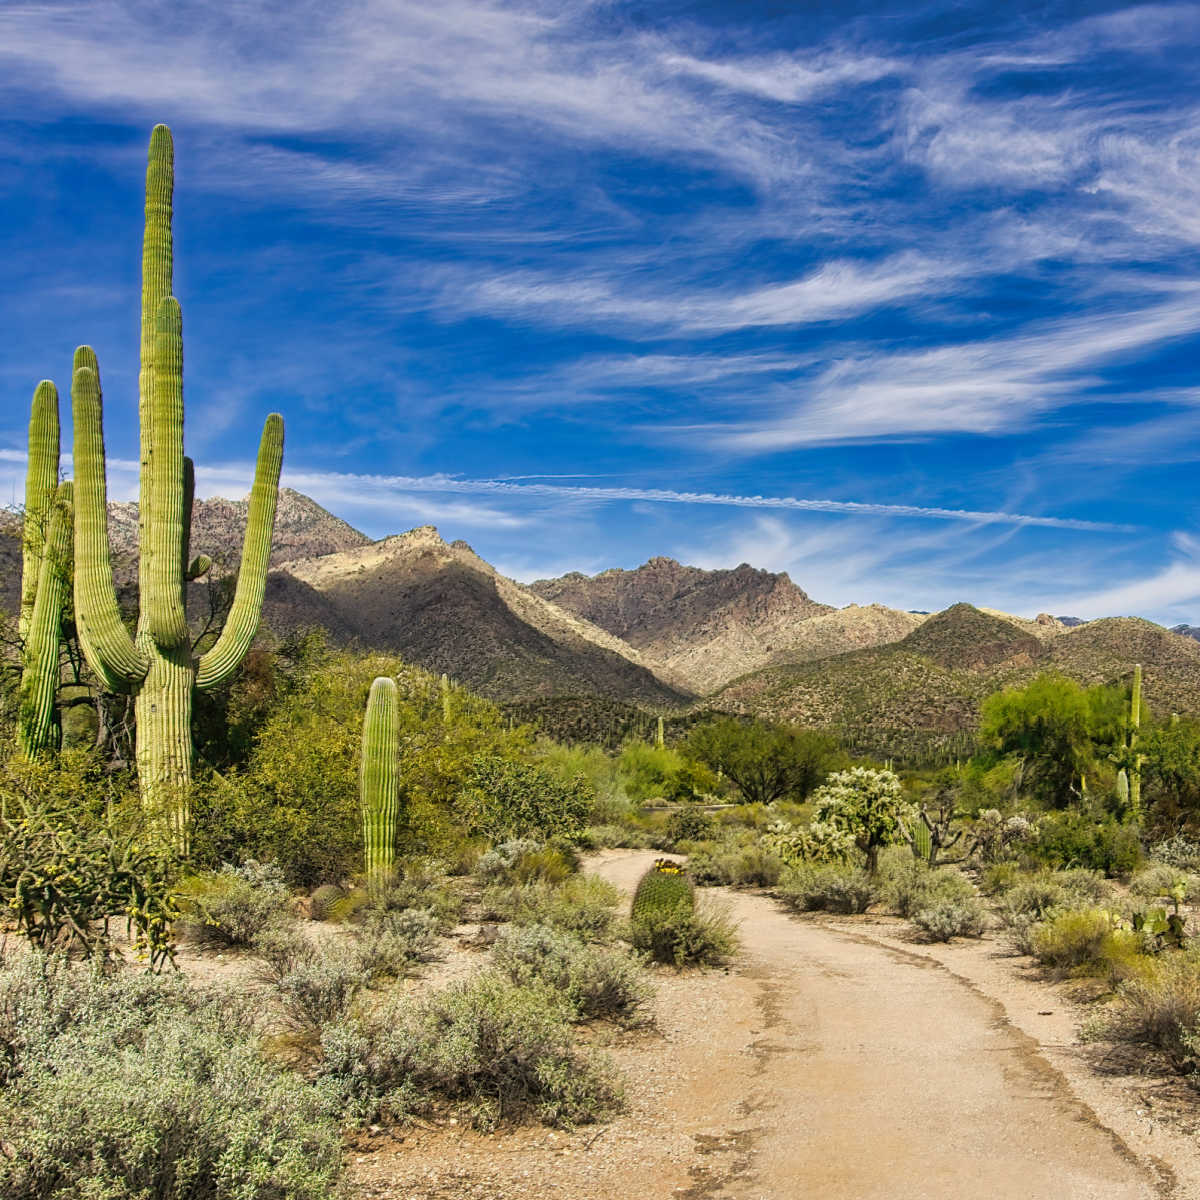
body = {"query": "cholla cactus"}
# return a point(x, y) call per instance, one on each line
point(45, 552)
point(157, 663)
point(867, 804)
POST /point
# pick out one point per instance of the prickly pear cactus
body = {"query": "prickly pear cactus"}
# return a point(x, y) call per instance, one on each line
point(663, 888)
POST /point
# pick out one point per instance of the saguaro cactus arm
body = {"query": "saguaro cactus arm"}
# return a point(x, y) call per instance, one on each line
point(36, 728)
point(162, 613)
point(106, 643)
point(218, 663)
point(41, 478)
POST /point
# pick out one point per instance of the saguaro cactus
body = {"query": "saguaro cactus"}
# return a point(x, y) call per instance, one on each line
point(1135, 768)
point(45, 547)
point(379, 781)
point(157, 663)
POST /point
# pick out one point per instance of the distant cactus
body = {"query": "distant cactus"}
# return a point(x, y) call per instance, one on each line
point(157, 663)
point(663, 888)
point(922, 841)
point(379, 782)
point(45, 553)
point(1135, 769)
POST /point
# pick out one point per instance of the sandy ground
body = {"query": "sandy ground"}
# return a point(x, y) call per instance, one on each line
point(835, 1060)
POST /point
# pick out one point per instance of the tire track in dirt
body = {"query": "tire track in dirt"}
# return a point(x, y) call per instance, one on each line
point(875, 1072)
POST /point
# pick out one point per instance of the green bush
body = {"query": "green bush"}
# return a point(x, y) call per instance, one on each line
point(607, 837)
point(728, 864)
point(943, 919)
point(829, 887)
point(689, 825)
point(231, 907)
point(585, 905)
point(422, 889)
point(525, 860)
point(1159, 879)
point(906, 884)
point(390, 942)
point(1075, 839)
point(504, 798)
point(682, 936)
point(1159, 1006)
point(132, 1085)
point(1072, 940)
point(596, 981)
point(499, 1051)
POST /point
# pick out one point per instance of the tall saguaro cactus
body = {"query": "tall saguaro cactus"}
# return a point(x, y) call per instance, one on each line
point(157, 662)
point(45, 547)
point(1135, 769)
point(379, 781)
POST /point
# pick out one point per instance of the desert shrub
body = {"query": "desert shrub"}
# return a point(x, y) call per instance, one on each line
point(906, 884)
point(1000, 877)
point(1031, 897)
point(818, 842)
point(1072, 939)
point(585, 905)
point(132, 1085)
point(703, 935)
point(320, 989)
point(828, 887)
point(596, 981)
point(1159, 1006)
point(1076, 839)
point(232, 906)
point(1083, 887)
point(689, 825)
point(420, 888)
point(943, 919)
point(733, 863)
point(606, 837)
point(505, 798)
point(524, 860)
point(1177, 851)
point(1159, 879)
point(501, 1051)
point(391, 941)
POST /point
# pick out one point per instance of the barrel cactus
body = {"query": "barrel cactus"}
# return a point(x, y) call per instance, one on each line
point(323, 902)
point(663, 889)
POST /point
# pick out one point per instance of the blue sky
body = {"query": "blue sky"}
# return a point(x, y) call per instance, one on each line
point(902, 299)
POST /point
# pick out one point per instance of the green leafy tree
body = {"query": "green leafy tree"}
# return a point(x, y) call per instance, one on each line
point(867, 804)
point(1055, 728)
point(505, 798)
point(765, 762)
point(1172, 771)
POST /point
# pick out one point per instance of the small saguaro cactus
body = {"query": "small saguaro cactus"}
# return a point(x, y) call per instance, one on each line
point(379, 782)
point(45, 552)
point(157, 663)
point(659, 739)
point(663, 888)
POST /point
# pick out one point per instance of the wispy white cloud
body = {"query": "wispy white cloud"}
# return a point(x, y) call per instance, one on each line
point(986, 387)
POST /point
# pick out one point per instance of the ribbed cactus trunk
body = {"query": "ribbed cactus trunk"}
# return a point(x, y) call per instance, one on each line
point(379, 782)
point(1135, 770)
point(157, 663)
point(45, 553)
point(45, 544)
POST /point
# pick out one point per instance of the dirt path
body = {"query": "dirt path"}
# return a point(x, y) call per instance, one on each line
point(832, 1061)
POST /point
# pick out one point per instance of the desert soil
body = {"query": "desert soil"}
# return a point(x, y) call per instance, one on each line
point(837, 1060)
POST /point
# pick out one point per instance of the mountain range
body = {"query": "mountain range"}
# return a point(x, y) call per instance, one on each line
point(661, 637)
